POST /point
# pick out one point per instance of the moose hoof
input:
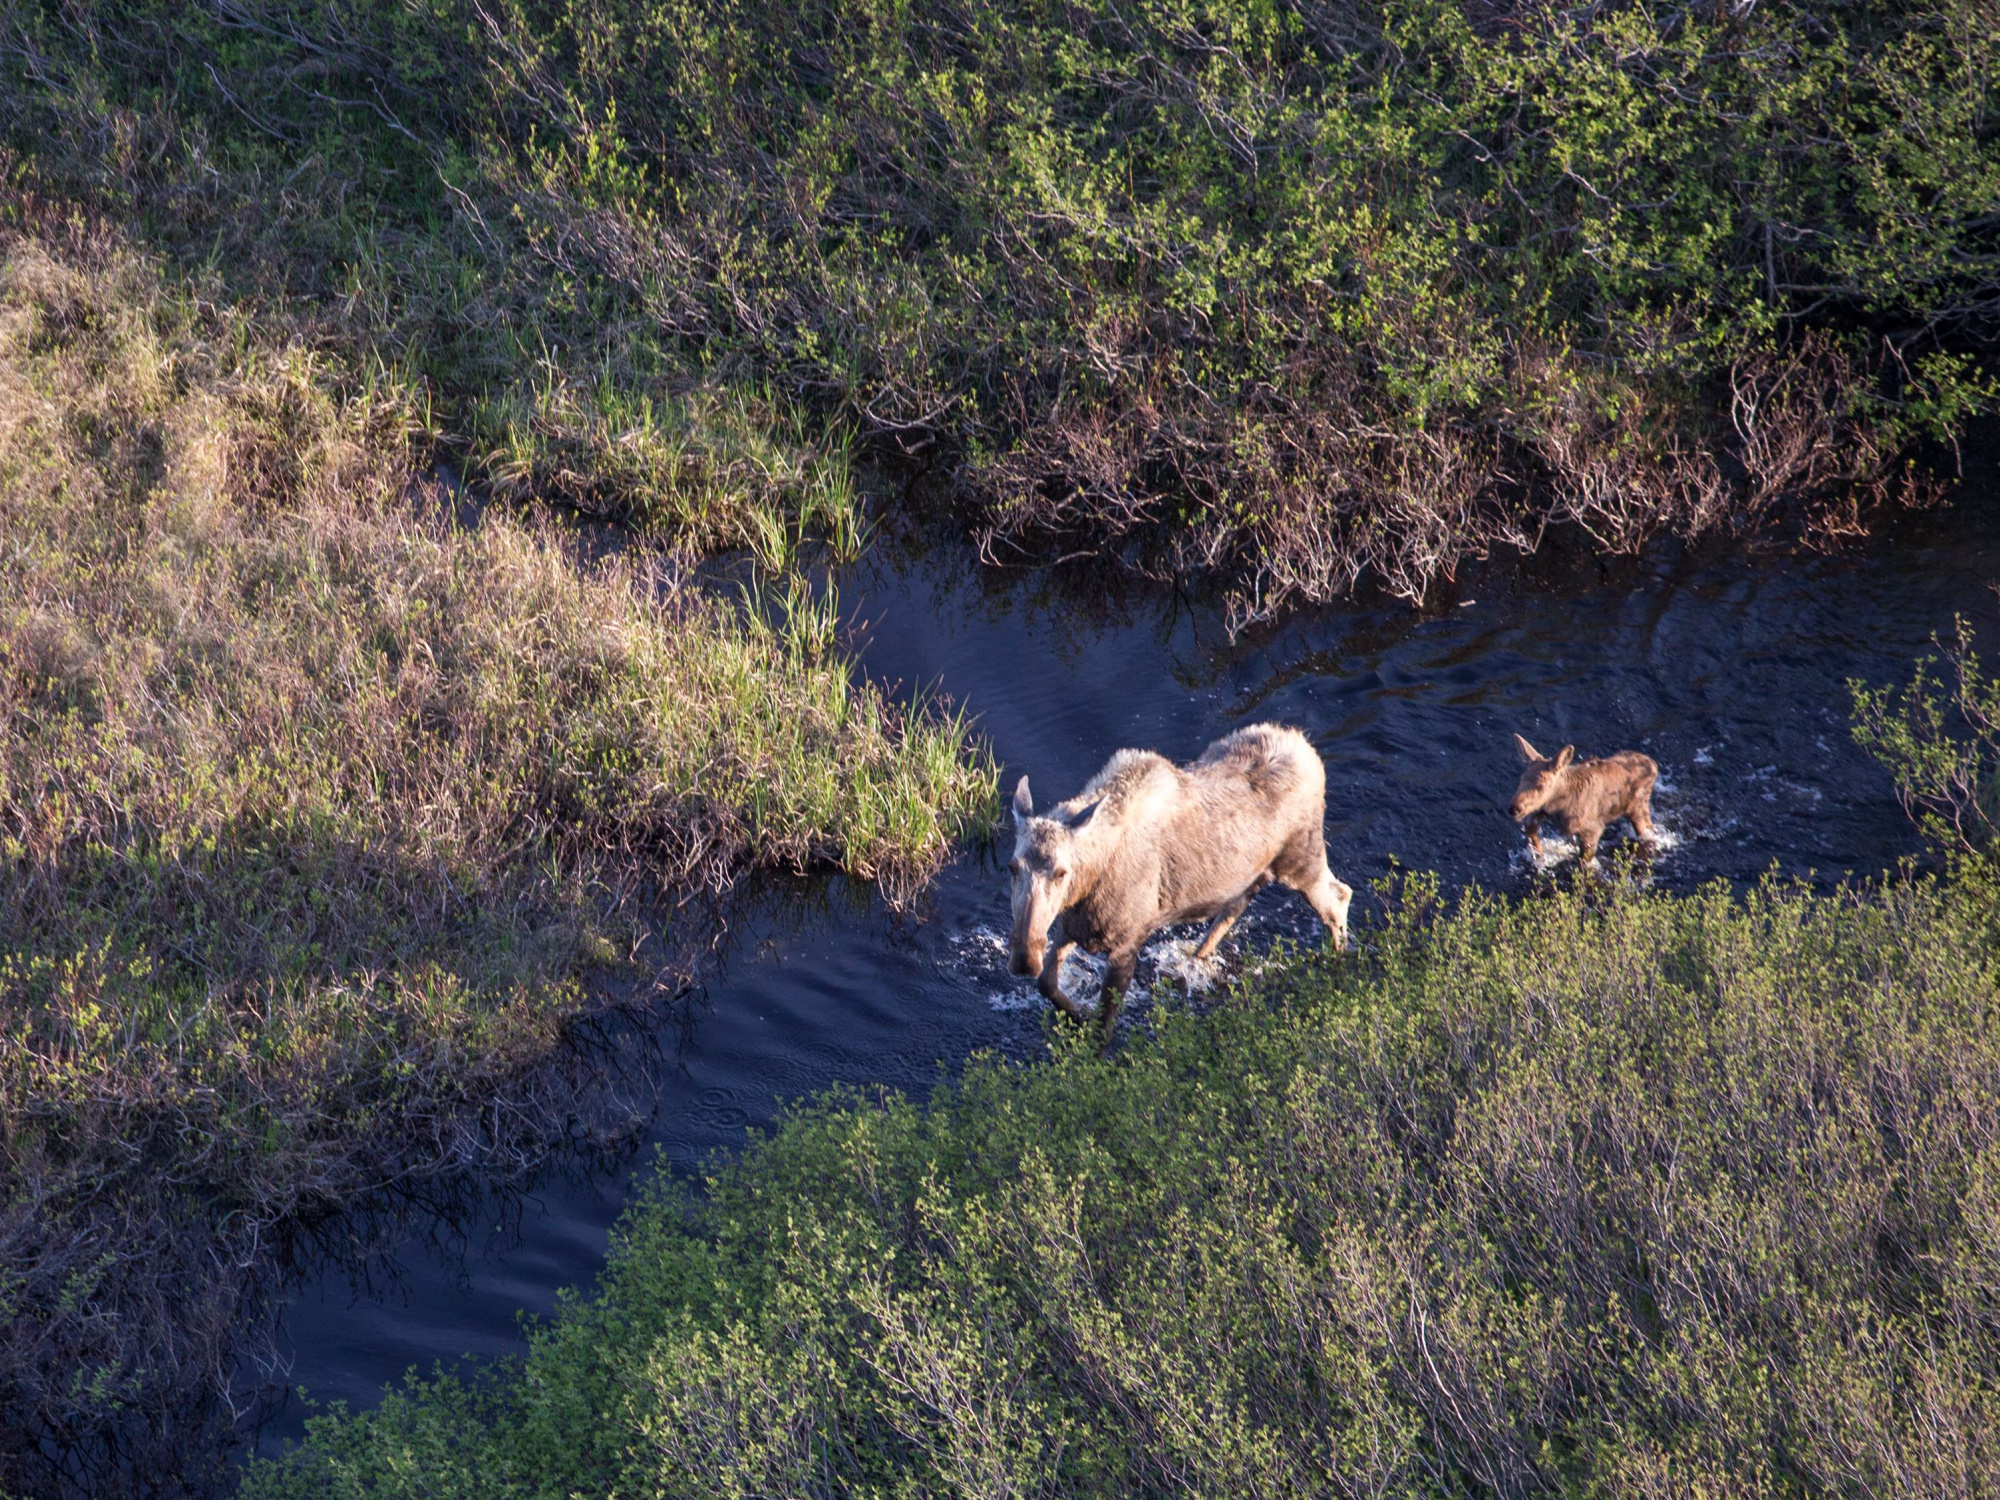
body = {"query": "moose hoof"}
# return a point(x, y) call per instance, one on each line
point(1069, 1010)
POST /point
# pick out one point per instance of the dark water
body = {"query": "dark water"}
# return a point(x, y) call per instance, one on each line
point(1729, 669)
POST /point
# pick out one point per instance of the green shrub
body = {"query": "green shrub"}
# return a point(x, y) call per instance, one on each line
point(1940, 739)
point(318, 810)
point(1599, 1194)
point(1290, 291)
point(1325, 287)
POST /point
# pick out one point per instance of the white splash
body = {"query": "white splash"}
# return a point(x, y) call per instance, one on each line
point(1170, 959)
point(1559, 850)
point(1555, 850)
point(983, 936)
point(1083, 976)
point(1173, 958)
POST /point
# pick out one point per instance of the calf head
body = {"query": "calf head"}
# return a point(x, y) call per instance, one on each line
point(1044, 873)
point(1541, 778)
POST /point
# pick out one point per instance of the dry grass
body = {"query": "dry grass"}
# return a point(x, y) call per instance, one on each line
point(319, 808)
point(1300, 502)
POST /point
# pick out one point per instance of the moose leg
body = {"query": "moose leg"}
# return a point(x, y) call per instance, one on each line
point(1328, 899)
point(1219, 928)
point(1534, 828)
point(1117, 980)
point(1642, 816)
point(1586, 846)
point(1050, 982)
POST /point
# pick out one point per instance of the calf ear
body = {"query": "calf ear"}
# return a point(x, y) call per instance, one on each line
point(1567, 754)
point(1024, 805)
point(1528, 752)
point(1082, 815)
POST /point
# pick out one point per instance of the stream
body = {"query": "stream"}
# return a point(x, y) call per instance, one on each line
point(1726, 666)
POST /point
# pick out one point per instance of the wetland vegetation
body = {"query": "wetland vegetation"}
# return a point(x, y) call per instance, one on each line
point(341, 768)
point(326, 809)
point(1285, 293)
point(1602, 1193)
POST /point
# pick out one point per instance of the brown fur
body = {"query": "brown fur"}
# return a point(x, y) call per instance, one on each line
point(1583, 797)
point(1147, 844)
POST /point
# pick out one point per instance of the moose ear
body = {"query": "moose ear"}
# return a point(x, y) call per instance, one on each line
point(1528, 752)
point(1024, 805)
point(1567, 755)
point(1080, 817)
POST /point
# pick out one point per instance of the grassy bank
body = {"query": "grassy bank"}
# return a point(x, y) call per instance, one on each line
point(320, 809)
point(1286, 293)
point(1598, 1194)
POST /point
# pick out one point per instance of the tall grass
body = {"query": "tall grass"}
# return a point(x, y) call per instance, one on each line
point(1603, 1194)
point(711, 470)
point(358, 234)
point(319, 808)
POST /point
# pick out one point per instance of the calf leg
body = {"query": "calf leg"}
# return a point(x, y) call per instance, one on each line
point(1534, 828)
point(1586, 845)
point(1219, 928)
point(1050, 981)
point(1642, 815)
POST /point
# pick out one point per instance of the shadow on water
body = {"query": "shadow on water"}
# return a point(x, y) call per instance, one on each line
point(1729, 669)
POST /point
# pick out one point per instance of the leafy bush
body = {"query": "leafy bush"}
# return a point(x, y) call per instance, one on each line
point(1598, 1194)
point(1291, 291)
point(1940, 739)
point(319, 807)
point(1325, 287)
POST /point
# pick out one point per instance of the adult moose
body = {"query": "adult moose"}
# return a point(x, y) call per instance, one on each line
point(1147, 844)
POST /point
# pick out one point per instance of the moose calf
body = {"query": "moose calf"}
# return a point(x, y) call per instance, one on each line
point(1147, 844)
point(1581, 797)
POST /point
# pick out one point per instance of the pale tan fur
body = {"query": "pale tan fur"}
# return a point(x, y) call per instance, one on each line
point(1148, 844)
point(1583, 797)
